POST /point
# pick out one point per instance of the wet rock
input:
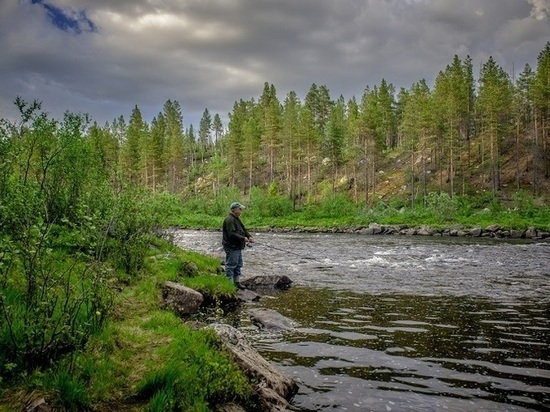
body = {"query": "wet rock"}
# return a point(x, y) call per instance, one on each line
point(531, 233)
point(247, 295)
point(375, 228)
point(270, 319)
point(181, 299)
point(492, 228)
point(476, 232)
point(273, 389)
point(517, 234)
point(267, 282)
point(426, 231)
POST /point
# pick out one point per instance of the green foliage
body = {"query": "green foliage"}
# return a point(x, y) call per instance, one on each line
point(442, 206)
point(268, 203)
point(71, 393)
point(62, 228)
point(196, 375)
point(134, 220)
point(333, 205)
point(51, 308)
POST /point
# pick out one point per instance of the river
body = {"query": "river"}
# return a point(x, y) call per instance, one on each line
point(403, 323)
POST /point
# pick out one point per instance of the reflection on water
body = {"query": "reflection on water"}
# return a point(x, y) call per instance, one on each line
point(401, 352)
point(394, 324)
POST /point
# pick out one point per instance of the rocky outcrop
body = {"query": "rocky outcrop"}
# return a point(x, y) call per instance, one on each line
point(181, 299)
point(270, 319)
point(273, 389)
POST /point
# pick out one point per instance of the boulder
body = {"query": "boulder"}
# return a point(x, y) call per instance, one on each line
point(531, 233)
point(270, 319)
point(476, 232)
point(517, 234)
point(181, 299)
point(247, 295)
point(375, 228)
point(267, 282)
point(492, 228)
point(426, 231)
point(273, 388)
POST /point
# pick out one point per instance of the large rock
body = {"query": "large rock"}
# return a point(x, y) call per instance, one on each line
point(274, 389)
point(270, 319)
point(247, 295)
point(267, 282)
point(181, 299)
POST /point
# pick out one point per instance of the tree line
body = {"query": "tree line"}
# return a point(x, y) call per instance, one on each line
point(453, 138)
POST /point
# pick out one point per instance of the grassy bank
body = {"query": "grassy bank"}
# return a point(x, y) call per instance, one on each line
point(144, 358)
point(335, 211)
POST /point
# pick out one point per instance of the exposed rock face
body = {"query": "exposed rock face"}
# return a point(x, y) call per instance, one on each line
point(267, 282)
point(274, 389)
point(181, 299)
point(270, 319)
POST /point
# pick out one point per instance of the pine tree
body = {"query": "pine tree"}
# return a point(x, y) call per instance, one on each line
point(131, 149)
point(494, 101)
point(292, 153)
point(541, 100)
point(178, 154)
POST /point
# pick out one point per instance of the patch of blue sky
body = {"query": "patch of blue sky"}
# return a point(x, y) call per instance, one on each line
point(68, 20)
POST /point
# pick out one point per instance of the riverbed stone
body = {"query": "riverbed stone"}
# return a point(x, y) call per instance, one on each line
point(181, 299)
point(517, 234)
point(247, 295)
point(375, 228)
point(476, 232)
point(267, 282)
point(273, 388)
point(426, 231)
point(270, 319)
point(531, 233)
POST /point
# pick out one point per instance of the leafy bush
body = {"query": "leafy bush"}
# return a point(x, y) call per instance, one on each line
point(269, 203)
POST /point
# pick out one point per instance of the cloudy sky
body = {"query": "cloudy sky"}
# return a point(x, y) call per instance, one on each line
point(103, 57)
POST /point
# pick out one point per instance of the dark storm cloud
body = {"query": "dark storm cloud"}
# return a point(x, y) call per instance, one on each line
point(210, 53)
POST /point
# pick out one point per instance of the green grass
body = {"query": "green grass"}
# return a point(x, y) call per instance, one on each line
point(144, 358)
point(440, 212)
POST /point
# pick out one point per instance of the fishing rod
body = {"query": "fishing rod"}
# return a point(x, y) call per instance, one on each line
point(281, 250)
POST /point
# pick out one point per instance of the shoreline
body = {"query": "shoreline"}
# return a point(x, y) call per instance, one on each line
point(492, 231)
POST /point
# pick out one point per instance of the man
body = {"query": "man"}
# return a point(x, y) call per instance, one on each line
point(235, 238)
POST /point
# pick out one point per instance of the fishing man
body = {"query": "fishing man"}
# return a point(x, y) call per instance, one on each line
point(235, 238)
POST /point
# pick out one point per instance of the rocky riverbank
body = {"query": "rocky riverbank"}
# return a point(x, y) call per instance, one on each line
point(273, 390)
point(493, 231)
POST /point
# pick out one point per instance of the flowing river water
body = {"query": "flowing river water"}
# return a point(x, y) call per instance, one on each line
point(403, 323)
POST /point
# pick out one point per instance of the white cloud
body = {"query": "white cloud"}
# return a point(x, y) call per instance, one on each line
point(541, 9)
point(210, 53)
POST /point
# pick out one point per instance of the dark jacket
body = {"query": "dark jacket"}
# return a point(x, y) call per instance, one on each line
point(234, 233)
